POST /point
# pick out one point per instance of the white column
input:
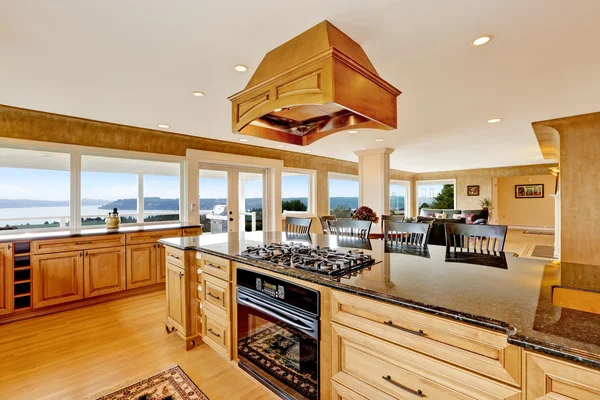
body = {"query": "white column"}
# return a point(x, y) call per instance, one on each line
point(374, 178)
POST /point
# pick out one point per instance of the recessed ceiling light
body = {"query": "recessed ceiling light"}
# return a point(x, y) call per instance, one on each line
point(494, 120)
point(277, 109)
point(279, 146)
point(379, 140)
point(240, 68)
point(198, 94)
point(164, 126)
point(307, 151)
point(480, 41)
point(352, 131)
point(243, 140)
point(363, 148)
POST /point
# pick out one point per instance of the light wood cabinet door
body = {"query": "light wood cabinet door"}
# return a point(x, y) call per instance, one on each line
point(6, 302)
point(549, 378)
point(161, 261)
point(177, 298)
point(104, 271)
point(141, 265)
point(57, 278)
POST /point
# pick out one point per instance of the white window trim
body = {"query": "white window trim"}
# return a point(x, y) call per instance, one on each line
point(407, 198)
point(312, 194)
point(434, 182)
point(340, 176)
point(76, 152)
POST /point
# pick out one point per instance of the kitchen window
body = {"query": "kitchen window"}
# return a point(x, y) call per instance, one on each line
point(122, 183)
point(35, 190)
point(343, 194)
point(400, 198)
point(297, 192)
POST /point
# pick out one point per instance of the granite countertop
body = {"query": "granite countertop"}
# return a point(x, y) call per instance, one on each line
point(500, 291)
point(20, 235)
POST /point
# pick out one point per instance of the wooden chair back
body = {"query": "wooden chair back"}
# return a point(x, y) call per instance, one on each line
point(324, 223)
point(482, 238)
point(394, 218)
point(299, 226)
point(415, 234)
point(349, 227)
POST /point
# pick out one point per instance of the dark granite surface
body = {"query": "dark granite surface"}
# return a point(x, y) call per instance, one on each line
point(498, 291)
point(20, 235)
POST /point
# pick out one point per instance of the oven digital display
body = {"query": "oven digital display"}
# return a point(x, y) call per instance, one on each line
point(272, 290)
point(270, 286)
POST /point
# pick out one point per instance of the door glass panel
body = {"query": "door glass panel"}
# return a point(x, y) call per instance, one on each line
point(212, 202)
point(251, 201)
point(398, 199)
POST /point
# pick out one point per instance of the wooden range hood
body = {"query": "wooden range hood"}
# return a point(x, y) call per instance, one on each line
point(318, 83)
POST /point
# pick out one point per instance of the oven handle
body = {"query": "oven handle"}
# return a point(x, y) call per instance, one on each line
point(243, 300)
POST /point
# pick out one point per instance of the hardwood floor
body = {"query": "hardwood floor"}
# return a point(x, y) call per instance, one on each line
point(522, 244)
point(77, 353)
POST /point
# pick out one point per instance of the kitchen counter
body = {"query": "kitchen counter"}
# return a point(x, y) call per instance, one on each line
point(500, 292)
point(21, 235)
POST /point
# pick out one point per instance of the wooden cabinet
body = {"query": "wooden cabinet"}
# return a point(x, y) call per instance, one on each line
point(141, 265)
point(216, 296)
point(151, 236)
point(549, 378)
point(177, 300)
point(78, 243)
point(192, 232)
point(6, 273)
point(161, 259)
point(216, 332)
point(58, 278)
point(104, 271)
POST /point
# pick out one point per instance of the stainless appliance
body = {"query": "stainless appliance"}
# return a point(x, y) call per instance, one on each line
point(278, 334)
point(322, 260)
point(218, 219)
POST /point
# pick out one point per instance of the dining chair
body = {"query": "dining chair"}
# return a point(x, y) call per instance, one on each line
point(394, 218)
point(464, 236)
point(299, 226)
point(349, 227)
point(324, 223)
point(415, 234)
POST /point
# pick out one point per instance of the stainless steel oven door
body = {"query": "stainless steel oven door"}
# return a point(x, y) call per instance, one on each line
point(279, 345)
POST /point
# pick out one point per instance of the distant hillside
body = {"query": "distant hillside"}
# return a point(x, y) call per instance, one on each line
point(150, 203)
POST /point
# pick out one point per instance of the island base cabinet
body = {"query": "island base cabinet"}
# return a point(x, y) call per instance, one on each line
point(5, 279)
point(57, 278)
point(375, 369)
point(176, 298)
point(548, 378)
point(141, 265)
point(104, 271)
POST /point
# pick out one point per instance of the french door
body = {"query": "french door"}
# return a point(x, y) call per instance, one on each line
point(232, 199)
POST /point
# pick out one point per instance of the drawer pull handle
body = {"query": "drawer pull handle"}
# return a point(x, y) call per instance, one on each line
point(213, 296)
point(80, 243)
point(172, 256)
point(214, 266)
point(418, 333)
point(417, 393)
point(216, 334)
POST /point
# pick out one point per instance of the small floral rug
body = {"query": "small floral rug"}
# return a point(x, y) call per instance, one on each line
point(171, 384)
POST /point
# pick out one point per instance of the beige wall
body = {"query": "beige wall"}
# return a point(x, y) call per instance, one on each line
point(579, 186)
point(482, 177)
point(525, 212)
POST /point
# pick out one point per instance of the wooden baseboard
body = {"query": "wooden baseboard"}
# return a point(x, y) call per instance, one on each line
point(32, 313)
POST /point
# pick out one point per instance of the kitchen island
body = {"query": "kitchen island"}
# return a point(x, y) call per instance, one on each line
point(496, 315)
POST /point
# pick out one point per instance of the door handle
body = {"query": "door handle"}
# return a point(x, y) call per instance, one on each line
point(81, 254)
point(180, 275)
point(231, 219)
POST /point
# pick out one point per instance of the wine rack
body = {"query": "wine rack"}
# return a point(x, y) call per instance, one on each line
point(22, 276)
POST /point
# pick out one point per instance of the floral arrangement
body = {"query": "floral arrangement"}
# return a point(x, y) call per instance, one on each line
point(365, 213)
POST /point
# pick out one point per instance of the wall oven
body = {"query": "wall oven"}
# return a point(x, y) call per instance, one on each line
point(278, 334)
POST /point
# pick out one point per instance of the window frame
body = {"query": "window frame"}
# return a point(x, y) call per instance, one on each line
point(434, 182)
point(341, 176)
point(312, 193)
point(76, 153)
point(407, 198)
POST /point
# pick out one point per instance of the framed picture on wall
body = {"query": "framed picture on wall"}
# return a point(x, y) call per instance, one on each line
point(473, 190)
point(529, 191)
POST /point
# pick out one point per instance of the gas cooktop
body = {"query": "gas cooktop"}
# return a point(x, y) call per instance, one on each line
point(322, 260)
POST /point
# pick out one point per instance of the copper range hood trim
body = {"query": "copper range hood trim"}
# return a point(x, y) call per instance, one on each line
point(326, 92)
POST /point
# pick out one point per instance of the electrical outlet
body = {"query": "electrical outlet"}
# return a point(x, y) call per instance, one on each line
point(193, 206)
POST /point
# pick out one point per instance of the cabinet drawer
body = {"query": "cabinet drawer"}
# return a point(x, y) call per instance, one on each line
point(216, 333)
point(377, 369)
point(151, 237)
point(192, 232)
point(480, 350)
point(78, 243)
point(175, 256)
point(216, 295)
point(341, 392)
point(548, 378)
point(216, 266)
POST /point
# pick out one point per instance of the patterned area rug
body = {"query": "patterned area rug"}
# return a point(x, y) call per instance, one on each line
point(171, 384)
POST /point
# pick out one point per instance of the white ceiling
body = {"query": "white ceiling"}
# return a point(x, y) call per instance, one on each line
point(138, 62)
